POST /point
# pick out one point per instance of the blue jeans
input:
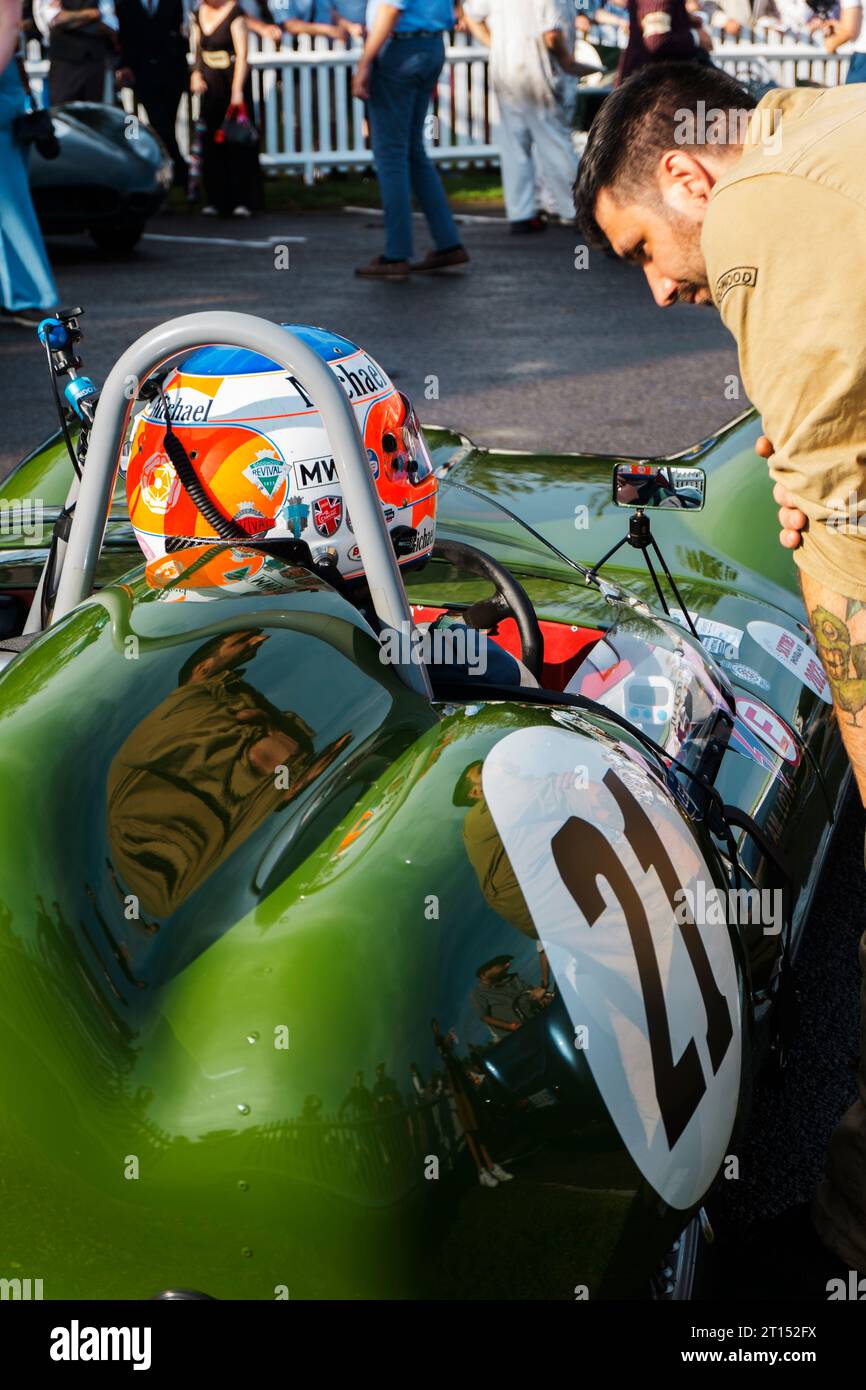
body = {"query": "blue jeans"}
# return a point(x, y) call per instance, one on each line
point(857, 68)
point(403, 77)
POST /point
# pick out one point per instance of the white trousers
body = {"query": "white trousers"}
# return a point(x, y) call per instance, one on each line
point(539, 162)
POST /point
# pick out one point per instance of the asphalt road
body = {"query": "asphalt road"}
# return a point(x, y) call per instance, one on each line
point(525, 351)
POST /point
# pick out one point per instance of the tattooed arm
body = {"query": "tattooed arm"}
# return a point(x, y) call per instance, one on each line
point(839, 625)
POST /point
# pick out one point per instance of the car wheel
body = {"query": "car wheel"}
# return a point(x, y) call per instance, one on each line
point(117, 236)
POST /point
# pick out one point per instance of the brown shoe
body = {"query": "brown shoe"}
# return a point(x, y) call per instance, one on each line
point(380, 269)
point(441, 260)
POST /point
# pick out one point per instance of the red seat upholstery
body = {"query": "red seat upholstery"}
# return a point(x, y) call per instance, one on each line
point(565, 646)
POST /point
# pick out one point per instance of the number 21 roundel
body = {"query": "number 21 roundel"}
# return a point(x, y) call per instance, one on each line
point(610, 873)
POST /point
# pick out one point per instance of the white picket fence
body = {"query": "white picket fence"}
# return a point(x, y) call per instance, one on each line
point(311, 124)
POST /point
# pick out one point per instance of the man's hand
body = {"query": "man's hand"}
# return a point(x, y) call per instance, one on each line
point(361, 81)
point(197, 84)
point(791, 519)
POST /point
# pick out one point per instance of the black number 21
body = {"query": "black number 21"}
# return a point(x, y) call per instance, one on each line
point(583, 855)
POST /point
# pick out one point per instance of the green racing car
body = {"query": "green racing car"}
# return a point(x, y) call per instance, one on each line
point(404, 845)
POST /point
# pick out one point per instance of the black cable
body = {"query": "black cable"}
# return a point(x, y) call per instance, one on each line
point(49, 589)
point(226, 529)
point(61, 413)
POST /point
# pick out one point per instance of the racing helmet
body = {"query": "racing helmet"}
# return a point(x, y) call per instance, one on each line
point(259, 466)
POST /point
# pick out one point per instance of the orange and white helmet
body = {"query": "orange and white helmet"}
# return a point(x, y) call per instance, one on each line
point(262, 457)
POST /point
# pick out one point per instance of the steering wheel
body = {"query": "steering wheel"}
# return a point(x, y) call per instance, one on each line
point(509, 601)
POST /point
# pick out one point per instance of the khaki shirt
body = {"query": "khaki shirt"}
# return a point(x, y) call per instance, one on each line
point(784, 240)
point(183, 793)
point(496, 878)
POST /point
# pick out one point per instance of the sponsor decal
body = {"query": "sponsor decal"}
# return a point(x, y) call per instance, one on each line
point(295, 514)
point(354, 553)
point(719, 639)
point(307, 399)
point(743, 275)
point(182, 410)
point(265, 472)
point(165, 571)
point(766, 724)
point(235, 576)
point(315, 472)
point(794, 655)
point(250, 519)
point(374, 462)
point(745, 742)
point(605, 859)
point(747, 674)
point(423, 539)
point(327, 515)
point(160, 485)
point(362, 379)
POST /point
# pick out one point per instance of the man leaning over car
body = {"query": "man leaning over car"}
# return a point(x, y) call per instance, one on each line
point(762, 213)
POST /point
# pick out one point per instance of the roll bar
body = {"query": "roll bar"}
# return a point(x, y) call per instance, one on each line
point(258, 335)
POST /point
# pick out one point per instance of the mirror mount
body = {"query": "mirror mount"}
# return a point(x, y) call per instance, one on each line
point(640, 537)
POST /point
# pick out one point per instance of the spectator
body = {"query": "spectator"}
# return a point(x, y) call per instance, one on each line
point(591, 13)
point(80, 38)
point(733, 18)
point(351, 14)
point(230, 168)
point(261, 20)
point(278, 17)
point(503, 998)
point(358, 1101)
point(848, 28)
point(27, 289)
point(153, 61)
point(659, 31)
point(795, 18)
point(399, 67)
point(532, 70)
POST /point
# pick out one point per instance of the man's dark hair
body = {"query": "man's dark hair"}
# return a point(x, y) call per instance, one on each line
point(461, 796)
point(200, 654)
point(638, 122)
point(207, 649)
point(496, 960)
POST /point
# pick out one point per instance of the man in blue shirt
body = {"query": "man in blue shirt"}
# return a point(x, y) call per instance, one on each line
point(398, 70)
point(270, 19)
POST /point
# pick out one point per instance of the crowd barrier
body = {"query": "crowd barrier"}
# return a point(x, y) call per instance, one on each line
point(311, 124)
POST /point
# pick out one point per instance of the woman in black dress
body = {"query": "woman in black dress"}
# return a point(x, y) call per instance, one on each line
point(221, 75)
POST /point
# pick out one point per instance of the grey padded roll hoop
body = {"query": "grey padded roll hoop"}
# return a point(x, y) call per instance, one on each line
point(353, 470)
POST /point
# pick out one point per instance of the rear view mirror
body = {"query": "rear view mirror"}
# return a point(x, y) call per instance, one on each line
point(648, 485)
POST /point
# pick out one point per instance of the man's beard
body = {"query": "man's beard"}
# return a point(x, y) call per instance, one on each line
point(687, 235)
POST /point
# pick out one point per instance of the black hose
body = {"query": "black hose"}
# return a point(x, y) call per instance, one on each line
point(226, 529)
